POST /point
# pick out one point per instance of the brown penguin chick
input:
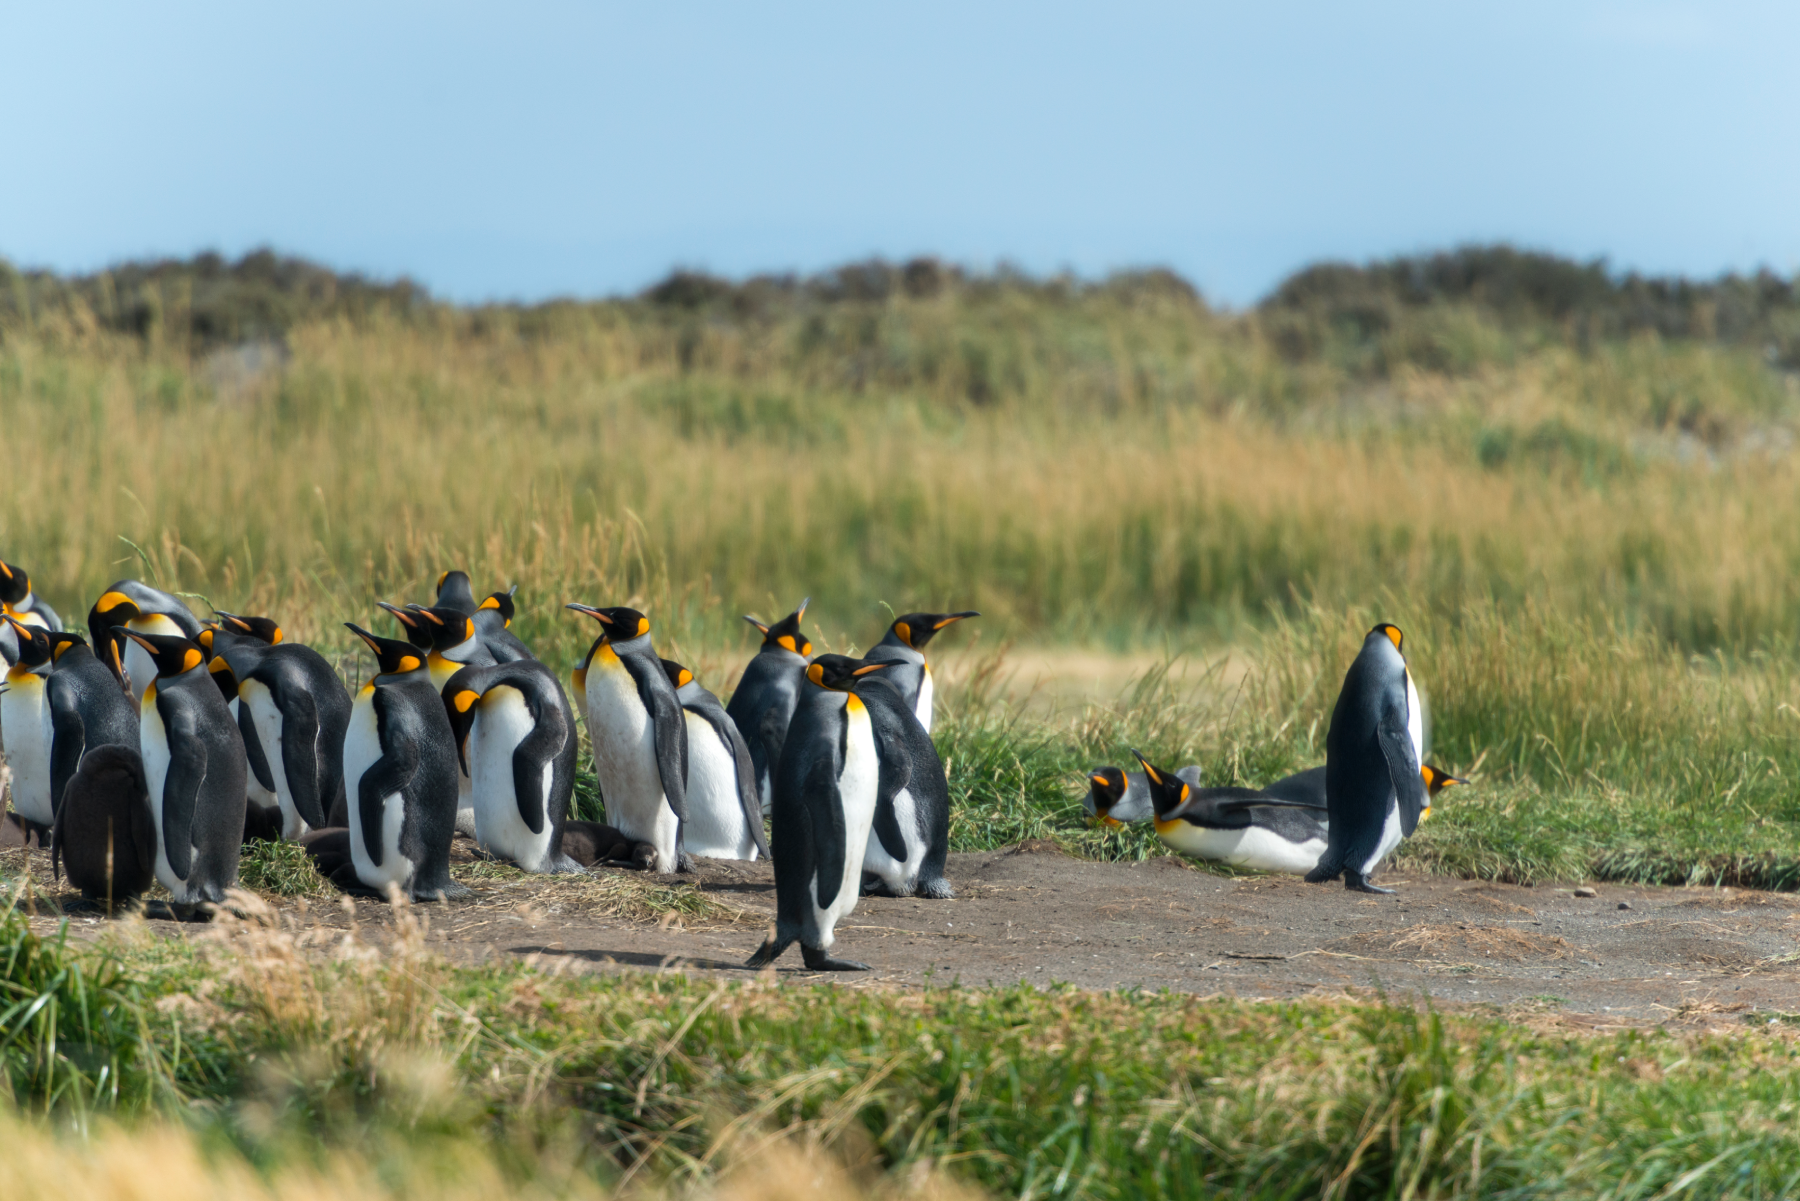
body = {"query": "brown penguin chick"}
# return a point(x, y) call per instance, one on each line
point(104, 835)
point(588, 843)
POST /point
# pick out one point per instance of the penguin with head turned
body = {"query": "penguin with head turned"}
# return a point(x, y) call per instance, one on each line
point(517, 744)
point(134, 606)
point(635, 723)
point(1375, 789)
point(194, 769)
point(455, 592)
point(400, 780)
point(21, 602)
point(826, 790)
point(904, 646)
point(724, 813)
point(763, 702)
point(909, 839)
point(1244, 827)
point(493, 625)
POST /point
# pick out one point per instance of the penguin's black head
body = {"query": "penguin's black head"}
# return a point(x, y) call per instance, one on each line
point(224, 677)
point(785, 634)
point(1392, 633)
point(417, 629)
point(172, 654)
point(34, 643)
point(263, 629)
point(916, 629)
point(679, 676)
point(617, 624)
point(1167, 790)
point(15, 585)
point(460, 705)
point(445, 627)
point(1436, 780)
point(112, 609)
point(502, 602)
point(455, 592)
point(61, 641)
point(1106, 788)
point(839, 672)
point(391, 655)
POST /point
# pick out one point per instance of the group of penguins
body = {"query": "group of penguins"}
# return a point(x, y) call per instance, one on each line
point(155, 747)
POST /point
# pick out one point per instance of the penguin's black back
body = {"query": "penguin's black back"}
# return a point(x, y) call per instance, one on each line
point(106, 806)
point(191, 705)
point(409, 710)
point(907, 752)
point(806, 816)
point(309, 693)
point(763, 706)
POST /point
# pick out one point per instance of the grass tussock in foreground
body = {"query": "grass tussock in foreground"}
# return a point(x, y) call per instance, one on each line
point(378, 1070)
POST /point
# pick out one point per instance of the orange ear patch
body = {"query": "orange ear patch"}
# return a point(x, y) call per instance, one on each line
point(489, 603)
point(684, 679)
point(276, 637)
point(787, 641)
point(905, 632)
point(191, 659)
point(1394, 635)
point(111, 601)
point(409, 663)
point(218, 665)
point(643, 627)
point(465, 699)
point(816, 673)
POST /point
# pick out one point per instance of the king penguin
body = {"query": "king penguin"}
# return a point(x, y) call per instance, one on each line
point(400, 780)
point(262, 811)
point(904, 646)
point(194, 769)
point(516, 740)
point(140, 609)
point(21, 602)
point(1374, 785)
point(763, 702)
point(105, 836)
point(724, 813)
point(25, 715)
point(635, 723)
point(909, 840)
point(1116, 797)
point(300, 712)
point(455, 592)
point(825, 793)
point(493, 625)
point(1244, 827)
point(88, 709)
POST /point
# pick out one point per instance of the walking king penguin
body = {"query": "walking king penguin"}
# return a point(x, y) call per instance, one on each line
point(1245, 827)
point(1375, 791)
point(194, 769)
point(763, 703)
point(140, 609)
point(904, 646)
point(824, 799)
point(400, 780)
point(909, 840)
point(639, 734)
point(724, 813)
point(515, 735)
point(105, 836)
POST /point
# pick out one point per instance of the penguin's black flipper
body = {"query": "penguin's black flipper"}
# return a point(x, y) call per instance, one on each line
point(300, 746)
point(829, 832)
point(1238, 804)
point(549, 732)
point(739, 748)
point(895, 774)
point(253, 749)
point(68, 739)
point(181, 796)
point(386, 776)
point(1403, 769)
point(1307, 787)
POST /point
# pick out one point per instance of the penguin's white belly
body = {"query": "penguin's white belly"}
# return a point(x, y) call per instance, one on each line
point(254, 792)
point(362, 749)
point(922, 707)
point(1391, 836)
point(266, 717)
point(153, 744)
point(856, 793)
point(1252, 847)
point(716, 826)
point(900, 875)
point(625, 760)
point(138, 663)
point(25, 710)
point(502, 721)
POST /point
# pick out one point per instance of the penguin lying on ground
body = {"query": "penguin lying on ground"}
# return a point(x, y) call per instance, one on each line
point(826, 787)
point(139, 608)
point(724, 813)
point(400, 776)
point(909, 840)
point(639, 734)
point(904, 646)
point(763, 702)
point(1375, 788)
point(1244, 827)
point(194, 768)
point(591, 843)
point(1115, 796)
point(516, 740)
point(105, 835)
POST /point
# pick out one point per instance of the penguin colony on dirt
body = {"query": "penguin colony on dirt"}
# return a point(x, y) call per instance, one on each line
point(152, 749)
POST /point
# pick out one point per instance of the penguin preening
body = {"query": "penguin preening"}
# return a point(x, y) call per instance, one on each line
point(194, 770)
point(516, 740)
point(763, 702)
point(1116, 797)
point(1244, 827)
point(724, 812)
point(909, 839)
point(400, 775)
point(139, 608)
point(639, 734)
point(1375, 787)
point(825, 793)
point(105, 834)
point(904, 646)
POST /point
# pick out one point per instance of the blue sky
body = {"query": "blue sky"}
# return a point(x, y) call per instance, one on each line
point(526, 150)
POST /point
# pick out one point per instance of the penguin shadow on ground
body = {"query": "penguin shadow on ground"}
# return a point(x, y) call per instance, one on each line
point(640, 959)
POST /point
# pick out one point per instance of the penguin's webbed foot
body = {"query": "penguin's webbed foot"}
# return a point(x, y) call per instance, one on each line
point(769, 952)
point(875, 886)
point(1357, 882)
point(820, 960)
point(938, 889)
point(450, 890)
point(1320, 875)
point(684, 862)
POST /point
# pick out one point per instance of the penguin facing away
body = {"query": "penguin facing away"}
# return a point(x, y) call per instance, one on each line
point(825, 793)
point(904, 646)
point(105, 835)
point(137, 607)
point(1375, 787)
point(724, 813)
point(456, 593)
point(639, 734)
point(763, 702)
point(400, 776)
point(909, 839)
point(1244, 827)
point(26, 716)
point(516, 739)
point(194, 771)
point(1116, 797)
point(493, 625)
point(88, 709)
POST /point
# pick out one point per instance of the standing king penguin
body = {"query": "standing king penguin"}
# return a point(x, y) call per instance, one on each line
point(450, 635)
point(909, 840)
point(105, 836)
point(635, 722)
point(516, 740)
point(400, 780)
point(194, 770)
point(141, 609)
point(1375, 791)
point(763, 703)
point(25, 714)
point(88, 709)
point(904, 646)
point(826, 787)
point(493, 625)
point(724, 813)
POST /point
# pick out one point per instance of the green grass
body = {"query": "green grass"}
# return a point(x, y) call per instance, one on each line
point(282, 869)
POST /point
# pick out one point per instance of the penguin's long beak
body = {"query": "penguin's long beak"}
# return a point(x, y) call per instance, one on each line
point(140, 640)
point(594, 613)
point(1155, 776)
point(364, 634)
point(955, 617)
point(404, 617)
